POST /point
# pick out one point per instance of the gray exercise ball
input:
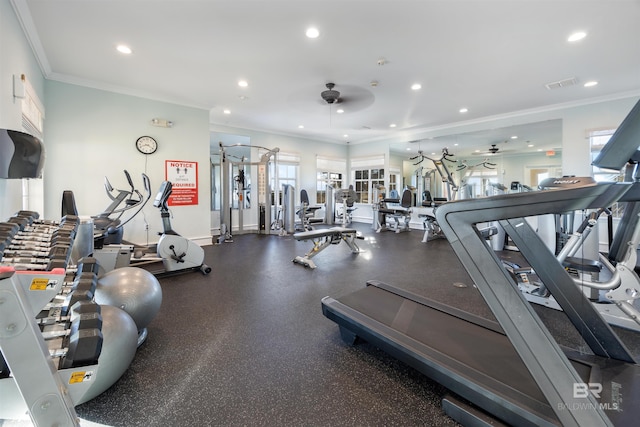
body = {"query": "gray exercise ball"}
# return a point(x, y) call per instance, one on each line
point(119, 344)
point(132, 289)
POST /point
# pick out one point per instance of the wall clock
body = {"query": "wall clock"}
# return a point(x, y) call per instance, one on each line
point(146, 145)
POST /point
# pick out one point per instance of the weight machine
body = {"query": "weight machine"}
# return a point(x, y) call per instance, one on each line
point(265, 205)
point(440, 165)
point(431, 228)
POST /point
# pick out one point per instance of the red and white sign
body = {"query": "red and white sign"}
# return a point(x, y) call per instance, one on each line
point(184, 178)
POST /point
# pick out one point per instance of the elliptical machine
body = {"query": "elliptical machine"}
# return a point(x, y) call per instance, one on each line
point(177, 252)
point(109, 224)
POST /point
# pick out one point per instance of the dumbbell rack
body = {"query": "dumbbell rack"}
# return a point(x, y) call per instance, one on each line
point(45, 378)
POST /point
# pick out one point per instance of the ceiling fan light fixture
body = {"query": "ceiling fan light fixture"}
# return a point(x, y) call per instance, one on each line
point(330, 96)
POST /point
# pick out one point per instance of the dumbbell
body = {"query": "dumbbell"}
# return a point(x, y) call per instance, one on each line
point(58, 250)
point(52, 237)
point(8, 229)
point(74, 296)
point(26, 245)
point(28, 214)
point(82, 341)
point(57, 257)
point(82, 307)
point(88, 265)
point(89, 318)
point(83, 347)
point(85, 281)
point(21, 222)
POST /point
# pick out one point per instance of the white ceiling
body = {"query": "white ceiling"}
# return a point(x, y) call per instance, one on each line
point(492, 57)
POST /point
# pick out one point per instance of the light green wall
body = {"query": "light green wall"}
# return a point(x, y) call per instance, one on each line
point(307, 149)
point(576, 122)
point(91, 134)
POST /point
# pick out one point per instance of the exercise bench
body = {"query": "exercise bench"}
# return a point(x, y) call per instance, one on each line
point(324, 237)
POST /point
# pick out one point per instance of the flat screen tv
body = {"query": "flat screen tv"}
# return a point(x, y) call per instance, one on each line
point(21, 155)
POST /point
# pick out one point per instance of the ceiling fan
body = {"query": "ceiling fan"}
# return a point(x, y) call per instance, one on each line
point(330, 95)
point(494, 149)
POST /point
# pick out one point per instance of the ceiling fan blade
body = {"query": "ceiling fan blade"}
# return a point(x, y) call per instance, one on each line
point(352, 98)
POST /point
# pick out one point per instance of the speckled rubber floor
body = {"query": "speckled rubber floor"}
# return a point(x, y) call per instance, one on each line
point(248, 345)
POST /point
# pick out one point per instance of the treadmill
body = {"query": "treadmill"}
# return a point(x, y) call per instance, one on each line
point(513, 369)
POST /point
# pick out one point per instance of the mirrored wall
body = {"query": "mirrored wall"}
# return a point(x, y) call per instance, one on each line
point(481, 163)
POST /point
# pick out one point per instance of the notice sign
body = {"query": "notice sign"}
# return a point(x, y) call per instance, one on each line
point(184, 178)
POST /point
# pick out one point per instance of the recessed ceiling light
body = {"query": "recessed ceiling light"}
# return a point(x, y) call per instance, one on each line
point(243, 83)
point(456, 144)
point(312, 33)
point(408, 148)
point(339, 111)
point(530, 145)
point(591, 83)
point(463, 110)
point(226, 111)
point(392, 125)
point(124, 49)
point(578, 35)
point(345, 135)
point(300, 126)
point(416, 86)
point(514, 137)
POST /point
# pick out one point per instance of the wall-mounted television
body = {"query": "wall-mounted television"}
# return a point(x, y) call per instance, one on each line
point(21, 155)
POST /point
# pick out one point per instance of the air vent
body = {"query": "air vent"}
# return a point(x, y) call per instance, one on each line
point(562, 83)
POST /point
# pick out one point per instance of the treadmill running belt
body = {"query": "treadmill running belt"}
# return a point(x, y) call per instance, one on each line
point(467, 354)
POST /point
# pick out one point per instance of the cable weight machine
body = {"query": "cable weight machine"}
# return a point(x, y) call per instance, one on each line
point(232, 183)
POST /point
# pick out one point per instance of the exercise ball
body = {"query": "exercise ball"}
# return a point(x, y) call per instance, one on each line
point(119, 344)
point(132, 289)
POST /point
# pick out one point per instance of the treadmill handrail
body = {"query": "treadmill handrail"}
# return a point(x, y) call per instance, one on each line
point(536, 346)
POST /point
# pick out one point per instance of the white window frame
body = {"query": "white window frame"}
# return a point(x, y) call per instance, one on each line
point(598, 138)
point(329, 171)
point(369, 164)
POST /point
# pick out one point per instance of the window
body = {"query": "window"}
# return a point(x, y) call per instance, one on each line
point(367, 172)
point(364, 181)
point(329, 172)
point(598, 139)
point(287, 173)
point(478, 183)
point(327, 178)
point(393, 181)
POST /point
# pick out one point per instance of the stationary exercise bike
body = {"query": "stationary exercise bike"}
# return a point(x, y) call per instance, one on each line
point(177, 252)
